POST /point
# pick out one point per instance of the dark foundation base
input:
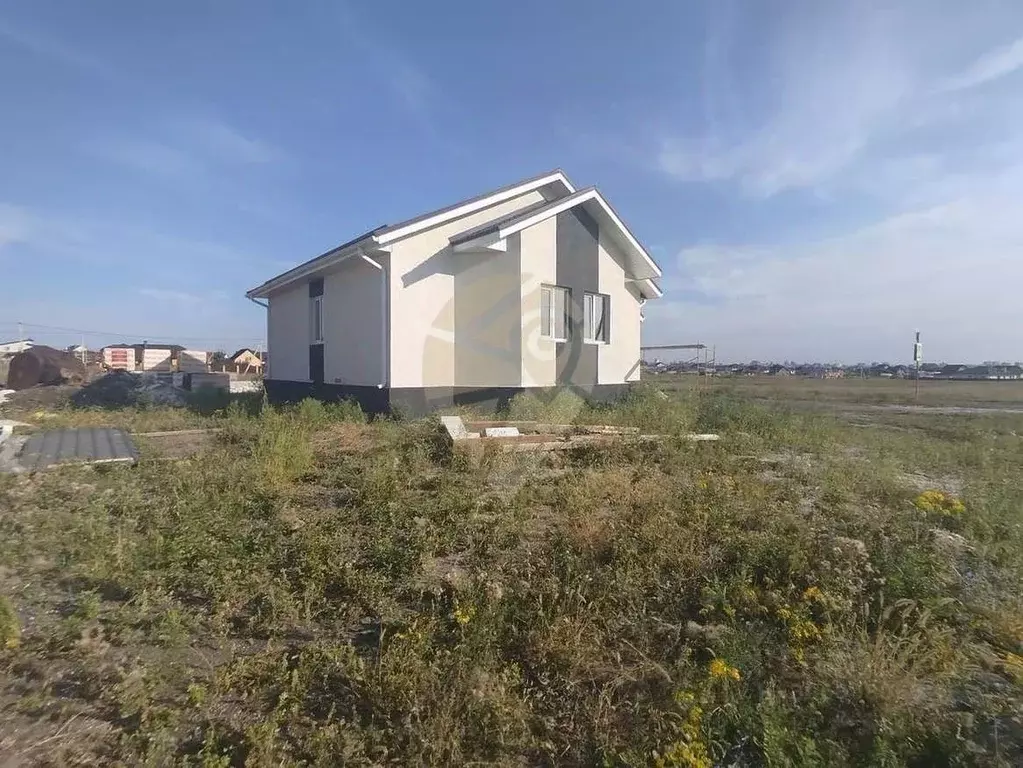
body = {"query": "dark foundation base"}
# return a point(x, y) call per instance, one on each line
point(420, 401)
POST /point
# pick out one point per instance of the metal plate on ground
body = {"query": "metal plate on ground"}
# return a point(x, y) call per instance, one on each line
point(93, 445)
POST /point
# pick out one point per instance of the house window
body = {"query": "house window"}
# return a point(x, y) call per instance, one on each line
point(316, 305)
point(554, 312)
point(596, 317)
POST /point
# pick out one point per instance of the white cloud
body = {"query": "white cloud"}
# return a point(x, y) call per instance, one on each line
point(174, 297)
point(56, 50)
point(16, 225)
point(829, 93)
point(187, 148)
point(929, 167)
point(218, 140)
point(991, 66)
point(951, 270)
point(408, 82)
point(151, 157)
point(825, 85)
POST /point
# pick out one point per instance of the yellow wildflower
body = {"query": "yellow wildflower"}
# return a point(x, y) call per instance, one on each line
point(722, 669)
point(939, 502)
point(464, 615)
point(813, 594)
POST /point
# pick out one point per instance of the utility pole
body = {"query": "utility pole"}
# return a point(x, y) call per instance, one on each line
point(918, 352)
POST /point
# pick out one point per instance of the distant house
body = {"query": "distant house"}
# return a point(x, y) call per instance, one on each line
point(246, 360)
point(84, 354)
point(14, 347)
point(152, 357)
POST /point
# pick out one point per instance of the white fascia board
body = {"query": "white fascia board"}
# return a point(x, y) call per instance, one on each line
point(553, 210)
point(489, 242)
point(627, 235)
point(472, 207)
point(579, 199)
point(649, 289)
point(321, 263)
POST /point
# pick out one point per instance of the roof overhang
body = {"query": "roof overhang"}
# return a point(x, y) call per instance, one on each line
point(649, 289)
point(640, 266)
point(365, 246)
point(551, 185)
point(555, 179)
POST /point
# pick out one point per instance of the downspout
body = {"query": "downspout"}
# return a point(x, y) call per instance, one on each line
point(266, 306)
point(384, 315)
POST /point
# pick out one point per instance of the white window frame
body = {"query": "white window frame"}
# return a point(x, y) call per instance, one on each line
point(316, 314)
point(590, 302)
point(551, 290)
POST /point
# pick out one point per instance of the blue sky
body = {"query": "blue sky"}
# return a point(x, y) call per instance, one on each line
point(816, 179)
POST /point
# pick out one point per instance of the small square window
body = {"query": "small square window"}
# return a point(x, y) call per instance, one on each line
point(554, 312)
point(596, 317)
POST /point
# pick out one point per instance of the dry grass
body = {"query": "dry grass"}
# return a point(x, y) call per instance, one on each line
point(312, 589)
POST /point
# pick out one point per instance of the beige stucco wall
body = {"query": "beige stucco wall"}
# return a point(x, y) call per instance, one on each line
point(287, 333)
point(538, 248)
point(618, 360)
point(353, 324)
point(353, 335)
point(423, 306)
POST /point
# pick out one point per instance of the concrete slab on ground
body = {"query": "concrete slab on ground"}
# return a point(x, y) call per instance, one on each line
point(92, 445)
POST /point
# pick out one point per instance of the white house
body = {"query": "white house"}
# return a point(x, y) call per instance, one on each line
point(14, 347)
point(531, 286)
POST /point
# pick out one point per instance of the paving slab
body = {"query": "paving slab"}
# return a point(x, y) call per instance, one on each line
point(455, 427)
point(93, 445)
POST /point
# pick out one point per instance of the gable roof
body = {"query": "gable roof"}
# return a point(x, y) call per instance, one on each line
point(639, 263)
point(554, 183)
point(242, 351)
point(559, 194)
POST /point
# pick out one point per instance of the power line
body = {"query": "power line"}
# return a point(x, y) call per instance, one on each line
point(147, 336)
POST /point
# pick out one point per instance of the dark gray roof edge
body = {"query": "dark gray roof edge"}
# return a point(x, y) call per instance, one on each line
point(324, 256)
point(511, 218)
point(473, 199)
point(407, 222)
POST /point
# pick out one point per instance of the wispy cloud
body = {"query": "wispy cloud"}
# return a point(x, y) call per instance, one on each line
point(218, 140)
point(833, 90)
point(56, 50)
point(930, 166)
point(993, 65)
point(173, 297)
point(182, 298)
point(832, 85)
point(189, 148)
point(15, 225)
point(951, 269)
point(113, 242)
point(407, 81)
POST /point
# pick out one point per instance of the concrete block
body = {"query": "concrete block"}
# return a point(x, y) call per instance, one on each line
point(455, 427)
point(501, 432)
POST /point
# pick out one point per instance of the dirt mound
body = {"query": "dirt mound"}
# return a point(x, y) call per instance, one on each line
point(43, 365)
point(120, 388)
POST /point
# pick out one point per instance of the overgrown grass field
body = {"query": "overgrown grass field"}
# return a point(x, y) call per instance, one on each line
point(314, 590)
